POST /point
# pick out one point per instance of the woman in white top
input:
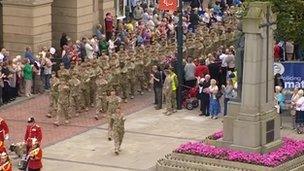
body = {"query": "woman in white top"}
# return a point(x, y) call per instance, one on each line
point(214, 108)
point(299, 105)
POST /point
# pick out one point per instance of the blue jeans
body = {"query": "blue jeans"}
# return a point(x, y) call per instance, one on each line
point(47, 84)
point(215, 108)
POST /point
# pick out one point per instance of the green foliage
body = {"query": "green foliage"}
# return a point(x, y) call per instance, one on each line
point(290, 19)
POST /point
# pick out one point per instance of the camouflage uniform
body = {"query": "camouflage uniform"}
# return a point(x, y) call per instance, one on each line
point(63, 103)
point(101, 95)
point(113, 103)
point(139, 72)
point(94, 71)
point(124, 82)
point(131, 76)
point(118, 131)
point(54, 96)
point(86, 88)
point(74, 84)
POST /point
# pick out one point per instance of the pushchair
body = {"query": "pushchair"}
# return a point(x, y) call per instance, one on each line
point(190, 100)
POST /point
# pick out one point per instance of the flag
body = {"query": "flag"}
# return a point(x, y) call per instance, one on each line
point(170, 5)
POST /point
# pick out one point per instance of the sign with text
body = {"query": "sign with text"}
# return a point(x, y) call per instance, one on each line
point(170, 5)
point(292, 73)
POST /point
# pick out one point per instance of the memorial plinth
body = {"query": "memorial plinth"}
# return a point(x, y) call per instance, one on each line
point(253, 128)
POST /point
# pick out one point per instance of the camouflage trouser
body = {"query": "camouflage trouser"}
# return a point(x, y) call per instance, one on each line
point(125, 90)
point(168, 97)
point(118, 137)
point(141, 83)
point(173, 100)
point(110, 125)
point(53, 105)
point(63, 113)
point(86, 97)
point(74, 106)
point(147, 79)
point(101, 104)
point(116, 88)
point(92, 94)
point(132, 86)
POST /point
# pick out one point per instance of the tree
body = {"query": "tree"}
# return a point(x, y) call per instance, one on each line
point(290, 19)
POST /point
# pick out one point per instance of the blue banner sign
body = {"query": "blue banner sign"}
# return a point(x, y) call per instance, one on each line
point(292, 73)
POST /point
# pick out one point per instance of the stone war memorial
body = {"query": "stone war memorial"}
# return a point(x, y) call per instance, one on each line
point(251, 138)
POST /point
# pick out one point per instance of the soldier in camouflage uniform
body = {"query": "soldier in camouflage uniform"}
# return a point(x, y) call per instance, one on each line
point(101, 95)
point(94, 71)
point(63, 104)
point(130, 64)
point(53, 96)
point(139, 72)
point(124, 81)
point(74, 84)
point(118, 129)
point(113, 103)
point(86, 88)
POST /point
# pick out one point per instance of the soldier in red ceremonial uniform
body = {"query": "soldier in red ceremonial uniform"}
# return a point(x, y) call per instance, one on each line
point(3, 130)
point(5, 163)
point(2, 147)
point(35, 156)
point(33, 130)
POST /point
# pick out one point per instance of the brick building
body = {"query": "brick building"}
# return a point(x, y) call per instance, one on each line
point(38, 23)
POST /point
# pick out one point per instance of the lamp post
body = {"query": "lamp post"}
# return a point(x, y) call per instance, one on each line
point(180, 55)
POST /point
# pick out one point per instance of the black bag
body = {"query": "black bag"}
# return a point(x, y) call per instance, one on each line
point(219, 95)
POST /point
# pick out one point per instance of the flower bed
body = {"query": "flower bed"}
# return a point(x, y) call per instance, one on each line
point(216, 136)
point(289, 150)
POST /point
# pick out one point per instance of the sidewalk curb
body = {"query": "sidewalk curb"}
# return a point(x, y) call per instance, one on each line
point(18, 101)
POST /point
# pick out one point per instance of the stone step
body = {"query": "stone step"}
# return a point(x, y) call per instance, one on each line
point(178, 162)
point(172, 162)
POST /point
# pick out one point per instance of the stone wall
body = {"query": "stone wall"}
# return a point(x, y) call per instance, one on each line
point(74, 17)
point(26, 23)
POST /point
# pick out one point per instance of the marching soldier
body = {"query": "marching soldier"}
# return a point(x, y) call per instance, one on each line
point(4, 131)
point(33, 130)
point(113, 103)
point(124, 82)
point(74, 84)
point(63, 104)
point(94, 71)
point(53, 96)
point(86, 88)
point(101, 95)
point(118, 129)
point(130, 64)
point(35, 156)
point(5, 162)
point(139, 72)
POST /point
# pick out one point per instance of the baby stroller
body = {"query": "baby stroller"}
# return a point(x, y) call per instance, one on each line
point(190, 100)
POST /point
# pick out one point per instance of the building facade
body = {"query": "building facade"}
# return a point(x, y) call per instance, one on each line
point(39, 23)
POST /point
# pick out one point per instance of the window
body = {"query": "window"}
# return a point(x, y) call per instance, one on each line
point(120, 8)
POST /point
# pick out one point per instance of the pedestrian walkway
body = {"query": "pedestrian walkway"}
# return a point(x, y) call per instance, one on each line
point(149, 136)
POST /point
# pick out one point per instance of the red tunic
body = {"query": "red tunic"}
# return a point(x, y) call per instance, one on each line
point(7, 166)
point(33, 131)
point(3, 129)
point(35, 159)
point(201, 71)
point(2, 147)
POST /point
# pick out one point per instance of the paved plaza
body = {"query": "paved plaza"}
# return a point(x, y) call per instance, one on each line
point(83, 145)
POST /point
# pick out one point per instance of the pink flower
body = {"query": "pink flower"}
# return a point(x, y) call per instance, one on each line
point(290, 149)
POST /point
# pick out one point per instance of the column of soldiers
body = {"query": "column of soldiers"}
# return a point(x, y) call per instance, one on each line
point(104, 82)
